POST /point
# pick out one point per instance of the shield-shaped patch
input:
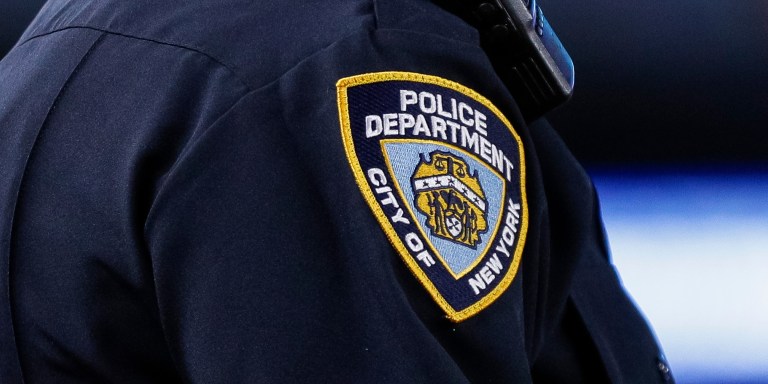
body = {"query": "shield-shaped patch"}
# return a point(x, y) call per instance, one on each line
point(443, 172)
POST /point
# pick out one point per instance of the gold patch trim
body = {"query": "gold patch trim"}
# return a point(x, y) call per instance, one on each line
point(346, 133)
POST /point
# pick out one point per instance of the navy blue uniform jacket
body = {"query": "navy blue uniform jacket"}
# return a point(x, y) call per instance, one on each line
point(177, 206)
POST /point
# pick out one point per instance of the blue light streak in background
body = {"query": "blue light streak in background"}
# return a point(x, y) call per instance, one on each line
point(692, 249)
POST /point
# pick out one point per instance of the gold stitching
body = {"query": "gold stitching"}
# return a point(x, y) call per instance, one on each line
point(394, 239)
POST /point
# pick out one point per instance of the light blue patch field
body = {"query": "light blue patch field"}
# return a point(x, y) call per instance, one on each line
point(404, 156)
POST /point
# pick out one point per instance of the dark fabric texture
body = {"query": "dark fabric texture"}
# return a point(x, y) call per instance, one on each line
point(177, 207)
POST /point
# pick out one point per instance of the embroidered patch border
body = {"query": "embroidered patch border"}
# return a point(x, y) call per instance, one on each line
point(446, 293)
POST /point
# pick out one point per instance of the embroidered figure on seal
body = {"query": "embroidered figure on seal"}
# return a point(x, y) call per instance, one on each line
point(452, 199)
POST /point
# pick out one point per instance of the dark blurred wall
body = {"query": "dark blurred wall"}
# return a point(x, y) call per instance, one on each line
point(678, 81)
point(665, 81)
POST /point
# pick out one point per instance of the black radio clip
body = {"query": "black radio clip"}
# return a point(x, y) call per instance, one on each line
point(525, 51)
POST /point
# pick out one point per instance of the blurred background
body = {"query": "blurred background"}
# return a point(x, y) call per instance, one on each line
point(665, 82)
point(670, 117)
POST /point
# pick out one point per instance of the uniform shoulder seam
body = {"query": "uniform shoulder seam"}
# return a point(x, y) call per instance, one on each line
point(375, 13)
point(159, 42)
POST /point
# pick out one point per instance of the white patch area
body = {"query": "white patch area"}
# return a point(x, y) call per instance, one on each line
point(425, 115)
point(454, 226)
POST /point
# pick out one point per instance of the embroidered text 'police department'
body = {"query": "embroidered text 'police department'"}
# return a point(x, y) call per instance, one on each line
point(443, 171)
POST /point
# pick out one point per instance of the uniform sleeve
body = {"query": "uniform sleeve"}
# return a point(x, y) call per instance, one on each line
point(269, 265)
point(598, 335)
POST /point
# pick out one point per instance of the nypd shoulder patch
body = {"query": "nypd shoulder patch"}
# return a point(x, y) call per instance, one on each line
point(443, 172)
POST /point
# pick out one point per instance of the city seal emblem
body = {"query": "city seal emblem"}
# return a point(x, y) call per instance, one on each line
point(443, 172)
point(452, 199)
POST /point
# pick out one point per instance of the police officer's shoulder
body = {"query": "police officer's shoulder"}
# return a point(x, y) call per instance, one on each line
point(422, 16)
point(257, 40)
